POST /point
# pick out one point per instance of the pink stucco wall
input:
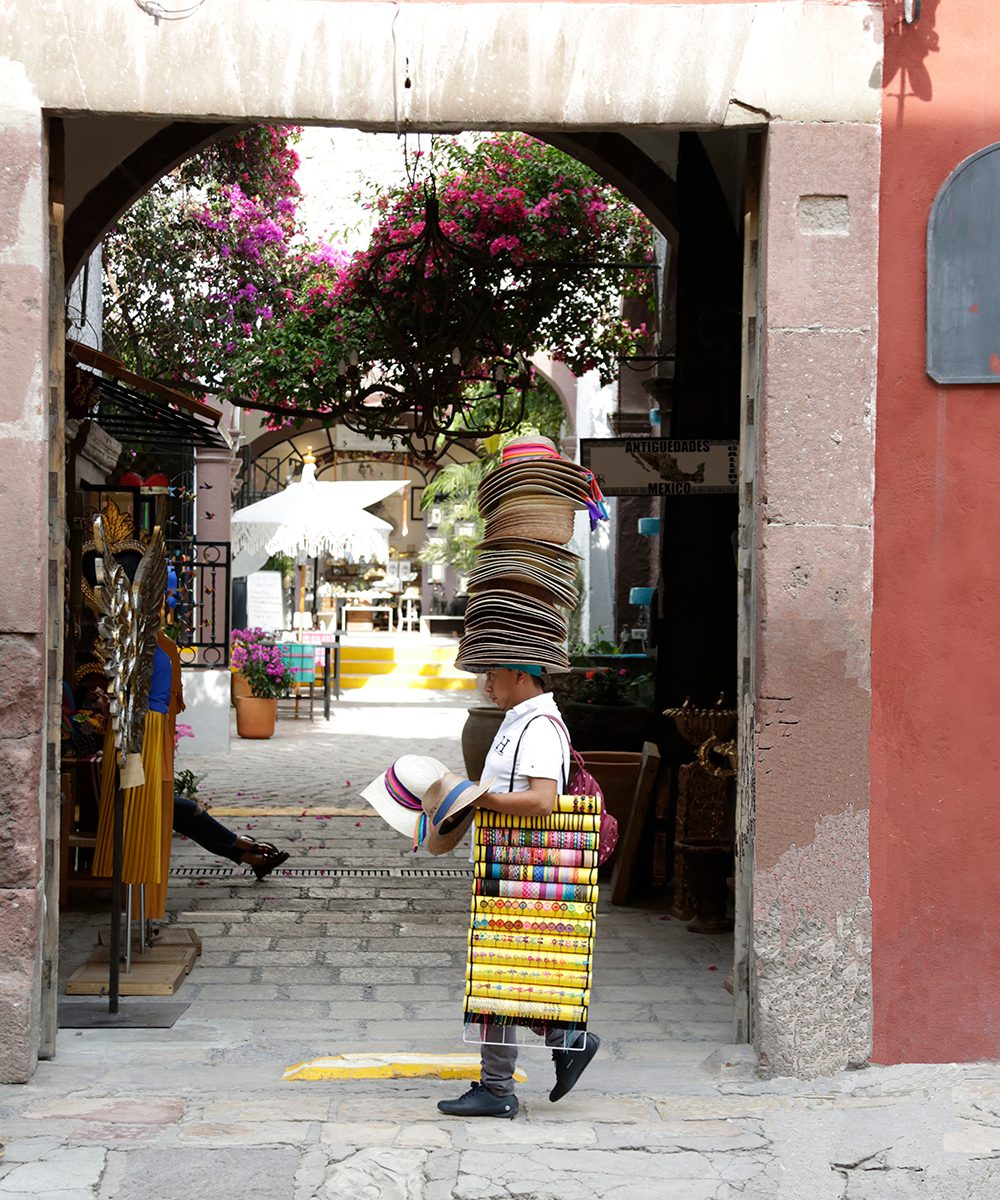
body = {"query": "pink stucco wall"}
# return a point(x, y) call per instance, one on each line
point(935, 836)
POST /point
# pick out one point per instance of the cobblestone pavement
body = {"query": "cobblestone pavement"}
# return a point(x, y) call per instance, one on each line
point(300, 966)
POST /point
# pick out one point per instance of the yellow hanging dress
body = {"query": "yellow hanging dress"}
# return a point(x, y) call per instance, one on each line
point(156, 893)
point(142, 831)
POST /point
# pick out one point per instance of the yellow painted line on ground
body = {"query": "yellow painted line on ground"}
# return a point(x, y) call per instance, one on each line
point(389, 1066)
point(324, 811)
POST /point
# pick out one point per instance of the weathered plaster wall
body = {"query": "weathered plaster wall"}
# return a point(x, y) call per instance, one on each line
point(935, 838)
point(546, 67)
point(24, 478)
point(536, 66)
point(816, 474)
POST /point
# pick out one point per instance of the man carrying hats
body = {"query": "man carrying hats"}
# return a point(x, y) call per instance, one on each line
point(528, 763)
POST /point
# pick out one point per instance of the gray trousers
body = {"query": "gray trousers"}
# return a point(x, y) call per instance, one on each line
point(498, 1062)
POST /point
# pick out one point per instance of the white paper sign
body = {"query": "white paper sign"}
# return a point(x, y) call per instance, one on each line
point(265, 600)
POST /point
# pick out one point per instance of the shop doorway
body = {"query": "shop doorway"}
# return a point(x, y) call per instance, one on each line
point(710, 231)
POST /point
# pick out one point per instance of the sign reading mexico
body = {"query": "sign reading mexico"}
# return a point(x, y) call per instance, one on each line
point(662, 466)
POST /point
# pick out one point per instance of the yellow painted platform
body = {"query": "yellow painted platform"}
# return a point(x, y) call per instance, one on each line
point(403, 664)
point(400, 679)
point(389, 1066)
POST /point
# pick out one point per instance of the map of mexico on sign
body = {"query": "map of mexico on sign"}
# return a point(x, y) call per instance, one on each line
point(637, 466)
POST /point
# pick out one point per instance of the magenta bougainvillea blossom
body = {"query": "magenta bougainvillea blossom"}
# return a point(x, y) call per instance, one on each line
point(509, 199)
point(198, 265)
point(259, 661)
point(210, 279)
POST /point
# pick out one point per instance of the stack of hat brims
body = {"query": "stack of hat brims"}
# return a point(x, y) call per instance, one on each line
point(525, 575)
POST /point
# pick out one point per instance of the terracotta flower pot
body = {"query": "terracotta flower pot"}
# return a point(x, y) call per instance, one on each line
point(238, 686)
point(478, 732)
point(255, 716)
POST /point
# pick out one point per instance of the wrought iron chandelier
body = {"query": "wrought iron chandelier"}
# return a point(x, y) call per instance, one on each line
point(454, 349)
point(451, 330)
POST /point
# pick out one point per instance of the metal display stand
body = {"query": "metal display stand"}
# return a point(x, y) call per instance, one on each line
point(331, 651)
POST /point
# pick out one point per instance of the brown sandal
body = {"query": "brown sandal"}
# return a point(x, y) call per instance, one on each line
point(263, 857)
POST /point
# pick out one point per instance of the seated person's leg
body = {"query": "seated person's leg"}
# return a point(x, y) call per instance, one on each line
point(194, 822)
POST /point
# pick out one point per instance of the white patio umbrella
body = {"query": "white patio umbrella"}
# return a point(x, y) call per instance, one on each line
point(311, 517)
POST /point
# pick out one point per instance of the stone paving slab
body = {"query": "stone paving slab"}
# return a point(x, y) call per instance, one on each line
point(295, 967)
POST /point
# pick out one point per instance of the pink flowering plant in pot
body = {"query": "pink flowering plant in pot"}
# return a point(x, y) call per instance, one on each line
point(262, 666)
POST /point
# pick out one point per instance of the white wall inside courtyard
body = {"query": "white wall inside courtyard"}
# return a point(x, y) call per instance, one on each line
point(206, 694)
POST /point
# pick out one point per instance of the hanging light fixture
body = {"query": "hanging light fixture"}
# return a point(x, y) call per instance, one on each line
point(450, 331)
point(450, 350)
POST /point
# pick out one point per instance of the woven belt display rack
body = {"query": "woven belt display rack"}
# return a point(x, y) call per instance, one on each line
point(534, 905)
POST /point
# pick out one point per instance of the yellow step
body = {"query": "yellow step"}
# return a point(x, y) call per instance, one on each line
point(433, 683)
point(450, 683)
point(351, 653)
point(426, 654)
point(360, 666)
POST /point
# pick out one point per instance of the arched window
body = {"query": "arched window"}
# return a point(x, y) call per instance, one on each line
point(963, 273)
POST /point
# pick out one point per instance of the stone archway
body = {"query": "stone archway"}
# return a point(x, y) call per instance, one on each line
point(570, 70)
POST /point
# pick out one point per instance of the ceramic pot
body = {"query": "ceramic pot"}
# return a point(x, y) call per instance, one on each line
point(478, 732)
point(255, 716)
point(238, 686)
point(606, 726)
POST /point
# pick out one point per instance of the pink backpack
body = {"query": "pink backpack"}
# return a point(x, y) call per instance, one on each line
point(579, 783)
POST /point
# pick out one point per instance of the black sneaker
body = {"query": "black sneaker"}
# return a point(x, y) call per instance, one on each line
point(570, 1065)
point(479, 1101)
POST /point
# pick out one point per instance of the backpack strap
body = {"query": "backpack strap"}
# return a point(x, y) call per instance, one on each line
point(555, 721)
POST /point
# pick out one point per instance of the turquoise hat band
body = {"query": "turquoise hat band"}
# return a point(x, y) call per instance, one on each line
point(527, 668)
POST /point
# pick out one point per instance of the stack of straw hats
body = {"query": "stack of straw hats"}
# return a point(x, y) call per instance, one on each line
point(525, 577)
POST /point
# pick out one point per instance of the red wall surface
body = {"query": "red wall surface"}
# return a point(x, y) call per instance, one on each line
point(935, 756)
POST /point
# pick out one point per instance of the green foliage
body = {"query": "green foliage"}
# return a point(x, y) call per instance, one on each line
point(453, 491)
point(186, 783)
point(598, 644)
point(543, 410)
point(284, 563)
point(206, 258)
point(210, 280)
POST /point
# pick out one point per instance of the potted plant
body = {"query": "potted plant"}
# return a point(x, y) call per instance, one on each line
point(606, 708)
point(264, 669)
point(241, 640)
point(186, 783)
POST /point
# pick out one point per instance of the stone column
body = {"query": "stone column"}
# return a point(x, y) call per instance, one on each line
point(24, 567)
point(811, 950)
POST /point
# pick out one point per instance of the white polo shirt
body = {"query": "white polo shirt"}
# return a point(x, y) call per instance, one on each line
point(542, 751)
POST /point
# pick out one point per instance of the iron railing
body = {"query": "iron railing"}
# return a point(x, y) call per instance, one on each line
point(199, 600)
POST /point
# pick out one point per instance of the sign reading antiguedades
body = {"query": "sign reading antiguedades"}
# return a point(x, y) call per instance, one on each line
point(662, 466)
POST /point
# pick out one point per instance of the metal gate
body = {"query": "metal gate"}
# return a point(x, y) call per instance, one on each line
point(198, 598)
